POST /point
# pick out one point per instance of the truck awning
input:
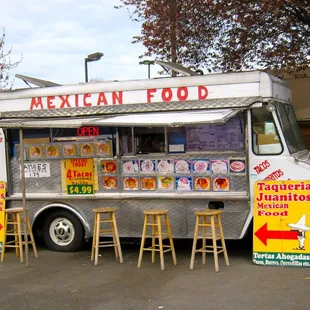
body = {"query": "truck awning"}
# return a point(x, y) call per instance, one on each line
point(46, 123)
point(173, 119)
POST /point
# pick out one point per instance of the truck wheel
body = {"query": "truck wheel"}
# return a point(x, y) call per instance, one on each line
point(63, 231)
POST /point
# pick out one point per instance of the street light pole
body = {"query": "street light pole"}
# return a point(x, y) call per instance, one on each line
point(148, 63)
point(91, 57)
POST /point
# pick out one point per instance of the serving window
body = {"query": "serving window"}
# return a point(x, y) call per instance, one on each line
point(183, 139)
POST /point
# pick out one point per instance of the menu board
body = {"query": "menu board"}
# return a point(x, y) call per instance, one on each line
point(220, 184)
point(131, 183)
point(200, 165)
point(183, 183)
point(219, 166)
point(109, 182)
point(147, 166)
point(202, 183)
point(148, 183)
point(229, 136)
point(108, 166)
point(180, 175)
point(182, 166)
point(69, 149)
point(130, 166)
point(165, 165)
point(102, 148)
point(166, 183)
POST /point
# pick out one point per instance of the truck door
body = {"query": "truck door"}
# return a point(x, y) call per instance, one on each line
point(275, 144)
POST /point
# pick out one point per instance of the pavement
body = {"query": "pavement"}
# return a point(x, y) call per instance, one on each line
point(70, 281)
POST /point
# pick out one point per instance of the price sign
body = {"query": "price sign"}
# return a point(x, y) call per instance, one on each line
point(79, 176)
point(80, 189)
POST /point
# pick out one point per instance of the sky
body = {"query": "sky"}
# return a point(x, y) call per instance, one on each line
point(53, 37)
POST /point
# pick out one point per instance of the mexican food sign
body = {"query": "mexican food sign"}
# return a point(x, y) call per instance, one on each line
point(282, 223)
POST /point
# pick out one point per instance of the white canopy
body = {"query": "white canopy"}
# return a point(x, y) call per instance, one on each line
point(173, 119)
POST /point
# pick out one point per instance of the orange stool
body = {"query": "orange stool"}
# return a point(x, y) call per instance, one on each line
point(156, 225)
point(13, 227)
point(105, 216)
point(209, 219)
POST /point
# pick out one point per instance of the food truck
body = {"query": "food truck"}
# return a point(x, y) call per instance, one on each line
point(182, 143)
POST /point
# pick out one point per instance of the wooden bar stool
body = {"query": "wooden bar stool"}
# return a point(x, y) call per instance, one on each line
point(152, 218)
point(13, 227)
point(209, 220)
point(105, 216)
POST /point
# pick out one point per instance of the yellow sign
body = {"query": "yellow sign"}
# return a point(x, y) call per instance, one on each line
point(2, 207)
point(282, 223)
point(79, 174)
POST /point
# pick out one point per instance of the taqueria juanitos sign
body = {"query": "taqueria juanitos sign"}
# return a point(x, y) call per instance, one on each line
point(2, 207)
point(282, 223)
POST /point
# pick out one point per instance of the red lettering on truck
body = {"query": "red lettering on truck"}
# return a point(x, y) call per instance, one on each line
point(166, 94)
point(262, 166)
point(64, 101)
point(117, 97)
point(182, 93)
point(36, 103)
point(150, 94)
point(86, 103)
point(202, 92)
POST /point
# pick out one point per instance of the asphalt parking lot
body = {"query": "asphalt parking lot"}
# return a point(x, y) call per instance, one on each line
point(70, 281)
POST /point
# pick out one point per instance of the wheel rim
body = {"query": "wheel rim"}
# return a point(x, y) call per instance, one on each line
point(62, 231)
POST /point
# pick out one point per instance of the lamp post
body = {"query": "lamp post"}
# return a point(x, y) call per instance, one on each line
point(91, 57)
point(148, 63)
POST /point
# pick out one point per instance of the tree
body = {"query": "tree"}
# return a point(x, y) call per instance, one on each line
point(226, 35)
point(265, 34)
point(5, 64)
point(171, 29)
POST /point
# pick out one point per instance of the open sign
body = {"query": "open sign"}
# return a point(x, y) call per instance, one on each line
point(88, 131)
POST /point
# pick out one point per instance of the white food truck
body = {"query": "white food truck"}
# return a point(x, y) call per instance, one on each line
point(182, 143)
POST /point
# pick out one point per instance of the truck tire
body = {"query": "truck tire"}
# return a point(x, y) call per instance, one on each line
point(63, 231)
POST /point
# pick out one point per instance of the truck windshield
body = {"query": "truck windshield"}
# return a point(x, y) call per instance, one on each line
point(290, 128)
